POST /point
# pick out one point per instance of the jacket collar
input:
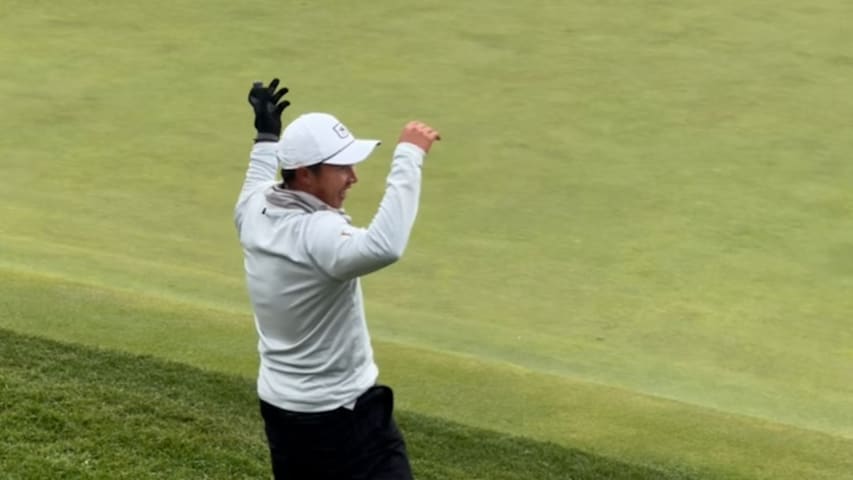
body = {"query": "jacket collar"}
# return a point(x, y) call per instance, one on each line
point(281, 197)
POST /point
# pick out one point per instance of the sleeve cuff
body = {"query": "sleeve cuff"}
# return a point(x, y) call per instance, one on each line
point(410, 150)
point(264, 147)
point(265, 152)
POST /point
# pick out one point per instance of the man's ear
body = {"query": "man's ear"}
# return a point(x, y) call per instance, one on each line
point(303, 176)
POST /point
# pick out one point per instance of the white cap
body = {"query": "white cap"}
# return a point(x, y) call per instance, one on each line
point(320, 138)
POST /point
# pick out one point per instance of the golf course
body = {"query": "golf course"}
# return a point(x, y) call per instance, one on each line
point(633, 257)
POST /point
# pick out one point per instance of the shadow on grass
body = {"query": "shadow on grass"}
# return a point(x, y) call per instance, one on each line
point(76, 412)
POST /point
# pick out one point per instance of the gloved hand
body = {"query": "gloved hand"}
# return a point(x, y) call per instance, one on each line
point(267, 103)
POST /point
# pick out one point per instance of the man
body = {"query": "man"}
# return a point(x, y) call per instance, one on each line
point(325, 417)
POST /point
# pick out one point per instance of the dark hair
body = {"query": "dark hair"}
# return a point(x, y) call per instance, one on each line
point(287, 176)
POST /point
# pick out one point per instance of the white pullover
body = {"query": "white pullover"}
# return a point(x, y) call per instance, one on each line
point(302, 261)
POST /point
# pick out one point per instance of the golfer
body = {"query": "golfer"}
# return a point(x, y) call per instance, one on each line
point(325, 416)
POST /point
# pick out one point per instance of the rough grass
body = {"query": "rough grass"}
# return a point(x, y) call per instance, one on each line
point(79, 413)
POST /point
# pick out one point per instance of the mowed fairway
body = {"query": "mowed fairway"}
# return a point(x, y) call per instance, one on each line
point(635, 240)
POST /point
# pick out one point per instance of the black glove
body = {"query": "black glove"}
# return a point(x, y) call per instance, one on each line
point(266, 102)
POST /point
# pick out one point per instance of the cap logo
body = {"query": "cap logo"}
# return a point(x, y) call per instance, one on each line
point(341, 130)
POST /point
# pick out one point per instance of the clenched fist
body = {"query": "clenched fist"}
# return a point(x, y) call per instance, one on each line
point(420, 134)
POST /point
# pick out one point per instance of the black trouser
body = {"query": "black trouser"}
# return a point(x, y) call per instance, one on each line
point(343, 444)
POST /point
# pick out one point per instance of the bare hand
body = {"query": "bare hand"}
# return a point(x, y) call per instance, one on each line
point(420, 134)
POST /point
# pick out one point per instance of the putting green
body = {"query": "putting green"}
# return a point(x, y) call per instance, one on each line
point(649, 198)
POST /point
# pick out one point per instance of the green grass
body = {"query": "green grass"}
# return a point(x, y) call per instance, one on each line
point(648, 196)
point(607, 422)
point(76, 412)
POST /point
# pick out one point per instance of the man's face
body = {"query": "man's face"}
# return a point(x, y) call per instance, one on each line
point(331, 182)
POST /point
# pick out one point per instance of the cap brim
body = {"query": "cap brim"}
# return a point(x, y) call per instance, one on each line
point(356, 152)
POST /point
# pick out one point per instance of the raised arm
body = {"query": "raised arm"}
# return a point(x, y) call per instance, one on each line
point(261, 171)
point(268, 105)
point(344, 251)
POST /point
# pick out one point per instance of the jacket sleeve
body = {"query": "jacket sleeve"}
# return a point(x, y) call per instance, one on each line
point(261, 172)
point(345, 252)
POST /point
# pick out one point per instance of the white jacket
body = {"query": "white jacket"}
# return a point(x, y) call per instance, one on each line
point(302, 270)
